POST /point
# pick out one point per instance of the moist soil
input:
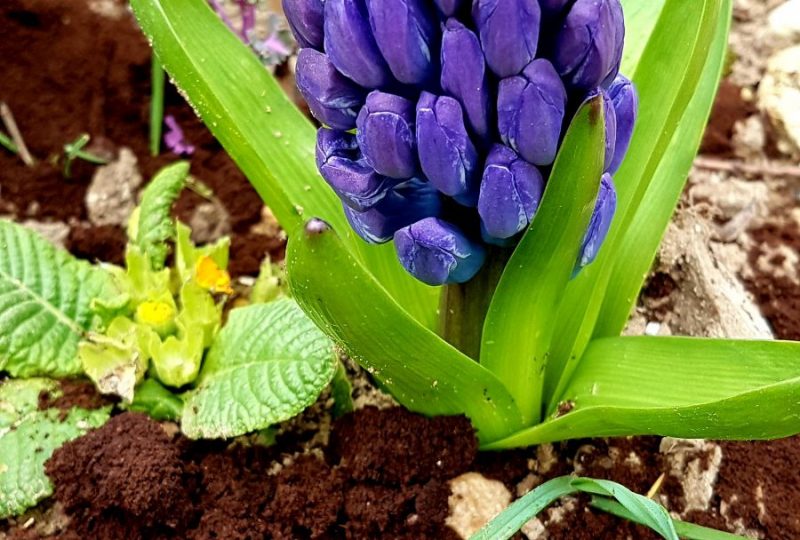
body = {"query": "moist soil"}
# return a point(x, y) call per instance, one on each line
point(68, 70)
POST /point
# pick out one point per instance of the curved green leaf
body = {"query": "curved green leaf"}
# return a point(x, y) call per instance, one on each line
point(156, 401)
point(678, 387)
point(155, 225)
point(422, 371)
point(45, 297)
point(543, 263)
point(262, 130)
point(268, 363)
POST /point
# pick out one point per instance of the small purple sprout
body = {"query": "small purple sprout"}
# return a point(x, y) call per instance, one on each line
point(174, 138)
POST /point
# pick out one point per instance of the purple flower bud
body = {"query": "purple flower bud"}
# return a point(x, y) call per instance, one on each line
point(409, 202)
point(436, 252)
point(351, 46)
point(589, 46)
point(530, 112)
point(448, 7)
point(600, 223)
point(511, 190)
point(175, 139)
point(341, 165)
point(333, 99)
point(553, 7)
point(464, 74)
point(306, 21)
point(626, 105)
point(405, 33)
point(386, 135)
point(446, 153)
point(509, 31)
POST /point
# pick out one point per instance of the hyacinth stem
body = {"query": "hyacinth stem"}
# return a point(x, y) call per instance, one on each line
point(463, 306)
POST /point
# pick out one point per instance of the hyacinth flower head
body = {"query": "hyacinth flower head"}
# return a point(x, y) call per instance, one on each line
point(441, 119)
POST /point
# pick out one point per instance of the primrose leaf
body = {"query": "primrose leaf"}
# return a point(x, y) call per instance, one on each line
point(268, 363)
point(28, 437)
point(155, 225)
point(45, 304)
point(156, 401)
point(679, 387)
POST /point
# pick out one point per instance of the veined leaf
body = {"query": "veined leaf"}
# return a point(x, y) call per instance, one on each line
point(641, 509)
point(156, 401)
point(45, 297)
point(640, 21)
point(669, 72)
point(678, 387)
point(28, 437)
point(423, 372)
point(543, 263)
point(155, 224)
point(268, 137)
point(268, 363)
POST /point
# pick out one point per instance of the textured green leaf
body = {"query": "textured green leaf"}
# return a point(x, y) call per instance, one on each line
point(28, 437)
point(45, 297)
point(640, 21)
point(543, 263)
point(262, 130)
point(667, 78)
point(267, 364)
point(422, 371)
point(679, 387)
point(641, 509)
point(156, 225)
point(156, 401)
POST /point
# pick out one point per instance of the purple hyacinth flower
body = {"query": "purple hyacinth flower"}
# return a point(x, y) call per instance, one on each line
point(386, 135)
point(333, 99)
point(603, 215)
point(446, 153)
point(437, 253)
point(448, 7)
point(589, 46)
point(341, 164)
point(626, 106)
point(511, 189)
point(306, 21)
point(409, 202)
point(530, 112)
point(464, 74)
point(406, 36)
point(509, 31)
point(351, 46)
point(553, 7)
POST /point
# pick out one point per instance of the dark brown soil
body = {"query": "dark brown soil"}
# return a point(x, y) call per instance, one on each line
point(68, 71)
point(74, 393)
point(729, 108)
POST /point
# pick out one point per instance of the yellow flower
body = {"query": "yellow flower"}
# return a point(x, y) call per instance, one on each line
point(211, 277)
point(155, 313)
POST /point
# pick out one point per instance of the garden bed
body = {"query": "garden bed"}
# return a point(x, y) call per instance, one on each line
point(74, 67)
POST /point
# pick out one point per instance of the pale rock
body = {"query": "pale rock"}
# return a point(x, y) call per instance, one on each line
point(209, 222)
point(474, 501)
point(111, 196)
point(784, 22)
point(779, 98)
point(56, 232)
point(695, 464)
point(749, 138)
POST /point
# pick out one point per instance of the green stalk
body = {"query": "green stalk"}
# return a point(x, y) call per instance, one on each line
point(7, 143)
point(156, 104)
point(463, 306)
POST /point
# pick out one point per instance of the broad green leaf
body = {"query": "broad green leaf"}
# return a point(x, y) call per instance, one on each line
point(641, 509)
point(156, 401)
point(667, 78)
point(155, 225)
point(678, 387)
point(262, 130)
point(45, 297)
point(422, 371)
point(268, 363)
point(638, 247)
point(543, 263)
point(28, 437)
point(640, 20)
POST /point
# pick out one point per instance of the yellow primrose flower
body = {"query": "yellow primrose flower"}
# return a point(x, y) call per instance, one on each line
point(210, 276)
point(155, 313)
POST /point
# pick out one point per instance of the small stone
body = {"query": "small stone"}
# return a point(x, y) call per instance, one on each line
point(779, 98)
point(56, 232)
point(209, 222)
point(111, 196)
point(474, 501)
point(784, 22)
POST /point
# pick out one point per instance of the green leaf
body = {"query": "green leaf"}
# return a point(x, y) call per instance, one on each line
point(262, 130)
point(640, 21)
point(666, 78)
point(268, 363)
point(678, 387)
point(156, 225)
point(638, 247)
point(689, 531)
point(543, 263)
point(45, 297)
point(156, 401)
point(341, 392)
point(642, 510)
point(28, 437)
point(422, 371)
